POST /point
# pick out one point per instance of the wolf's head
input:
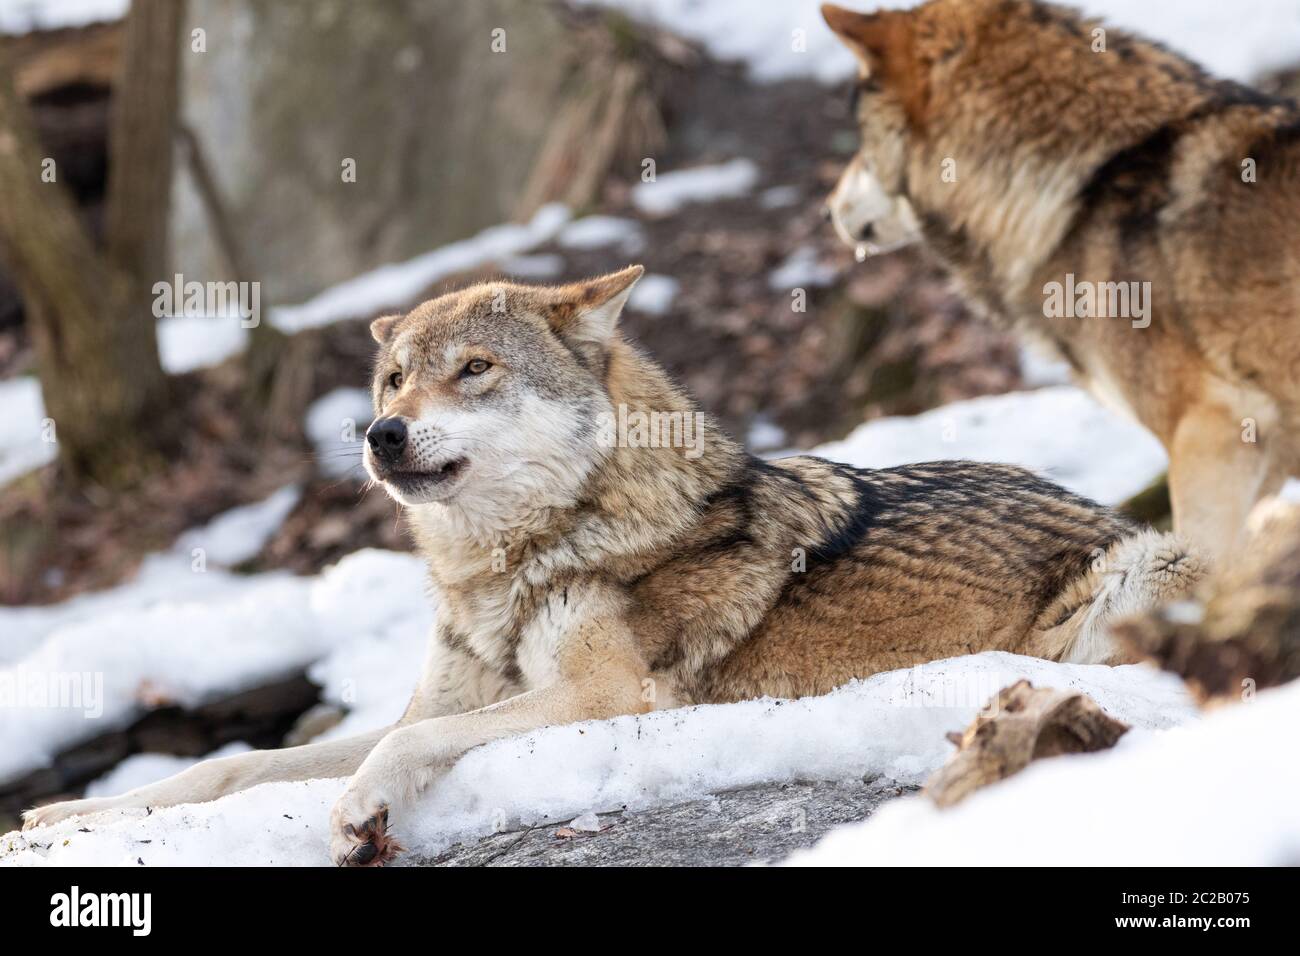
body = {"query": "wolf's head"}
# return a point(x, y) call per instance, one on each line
point(869, 206)
point(983, 120)
point(488, 399)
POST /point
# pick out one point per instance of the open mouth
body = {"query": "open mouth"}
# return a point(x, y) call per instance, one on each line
point(416, 480)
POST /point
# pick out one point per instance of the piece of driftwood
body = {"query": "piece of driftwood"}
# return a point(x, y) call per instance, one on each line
point(1022, 723)
point(1242, 634)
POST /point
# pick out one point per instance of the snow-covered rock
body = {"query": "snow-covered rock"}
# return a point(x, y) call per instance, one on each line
point(892, 724)
point(1222, 791)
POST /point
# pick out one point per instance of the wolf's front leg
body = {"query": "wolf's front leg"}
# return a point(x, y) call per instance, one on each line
point(213, 779)
point(600, 676)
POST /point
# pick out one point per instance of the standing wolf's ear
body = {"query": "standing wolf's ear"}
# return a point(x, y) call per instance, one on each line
point(382, 328)
point(884, 43)
point(585, 313)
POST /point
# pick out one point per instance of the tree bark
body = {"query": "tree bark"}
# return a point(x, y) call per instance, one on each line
point(89, 313)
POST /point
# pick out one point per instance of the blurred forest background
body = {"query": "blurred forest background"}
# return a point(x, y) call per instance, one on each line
point(225, 163)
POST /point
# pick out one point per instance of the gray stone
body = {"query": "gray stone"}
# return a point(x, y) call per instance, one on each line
point(755, 824)
point(443, 131)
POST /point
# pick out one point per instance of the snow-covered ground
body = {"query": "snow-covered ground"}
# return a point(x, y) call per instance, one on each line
point(891, 724)
point(190, 342)
point(184, 636)
point(1222, 791)
point(670, 191)
point(23, 16)
point(397, 285)
point(788, 39)
point(1060, 432)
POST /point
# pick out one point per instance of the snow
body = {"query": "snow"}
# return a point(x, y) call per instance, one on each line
point(190, 342)
point(398, 285)
point(1038, 368)
point(1059, 432)
point(764, 435)
point(786, 40)
point(670, 191)
point(23, 445)
point(24, 16)
point(654, 294)
point(336, 425)
point(185, 631)
point(802, 270)
point(1223, 791)
point(891, 724)
point(239, 534)
point(593, 232)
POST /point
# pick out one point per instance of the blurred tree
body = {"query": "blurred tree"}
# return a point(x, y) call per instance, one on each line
point(89, 310)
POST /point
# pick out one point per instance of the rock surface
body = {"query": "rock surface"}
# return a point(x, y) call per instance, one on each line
point(758, 824)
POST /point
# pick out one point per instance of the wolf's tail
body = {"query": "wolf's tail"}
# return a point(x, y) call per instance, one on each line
point(1134, 574)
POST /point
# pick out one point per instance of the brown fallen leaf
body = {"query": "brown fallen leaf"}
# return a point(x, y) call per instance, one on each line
point(1021, 724)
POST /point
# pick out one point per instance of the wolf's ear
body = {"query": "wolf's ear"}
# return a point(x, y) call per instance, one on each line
point(885, 45)
point(585, 313)
point(382, 328)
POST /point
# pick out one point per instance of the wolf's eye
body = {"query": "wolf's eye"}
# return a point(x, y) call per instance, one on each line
point(395, 380)
point(475, 367)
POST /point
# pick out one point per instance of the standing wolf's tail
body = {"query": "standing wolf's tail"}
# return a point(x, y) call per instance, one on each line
point(1134, 574)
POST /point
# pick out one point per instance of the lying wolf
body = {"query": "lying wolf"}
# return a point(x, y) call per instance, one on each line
point(584, 572)
point(1107, 198)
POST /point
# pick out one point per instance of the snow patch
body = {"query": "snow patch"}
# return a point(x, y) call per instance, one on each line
point(23, 447)
point(26, 16)
point(190, 342)
point(670, 191)
point(336, 425)
point(239, 534)
point(1059, 432)
point(654, 294)
point(398, 285)
point(595, 232)
point(801, 269)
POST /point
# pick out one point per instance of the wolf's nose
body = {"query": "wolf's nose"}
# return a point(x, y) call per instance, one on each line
point(387, 438)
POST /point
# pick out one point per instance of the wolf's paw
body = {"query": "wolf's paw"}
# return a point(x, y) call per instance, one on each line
point(359, 833)
point(53, 813)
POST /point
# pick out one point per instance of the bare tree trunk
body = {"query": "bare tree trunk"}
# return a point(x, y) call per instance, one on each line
point(89, 314)
point(141, 141)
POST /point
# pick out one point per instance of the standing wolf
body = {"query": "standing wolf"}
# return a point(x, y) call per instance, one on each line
point(1105, 197)
point(588, 562)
